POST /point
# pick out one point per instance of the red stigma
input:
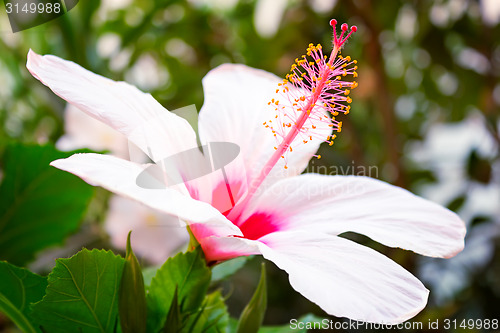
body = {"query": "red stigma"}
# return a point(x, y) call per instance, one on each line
point(338, 41)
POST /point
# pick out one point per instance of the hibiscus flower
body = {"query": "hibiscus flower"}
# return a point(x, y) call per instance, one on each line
point(292, 219)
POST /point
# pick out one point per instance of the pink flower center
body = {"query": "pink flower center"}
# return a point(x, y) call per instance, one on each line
point(259, 225)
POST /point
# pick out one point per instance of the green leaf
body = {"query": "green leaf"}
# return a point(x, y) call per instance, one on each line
point(212, 318)
point(132, 297)
point(82, 295)
point(173, 324)
point(186, 271)
point(18, 289)
point(40, 204)
point(253, 314)
point(228, 268)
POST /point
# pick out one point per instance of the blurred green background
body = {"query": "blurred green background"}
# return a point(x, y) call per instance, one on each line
point(426, 112)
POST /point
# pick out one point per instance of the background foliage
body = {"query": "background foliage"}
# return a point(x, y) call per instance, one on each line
point(426, 112)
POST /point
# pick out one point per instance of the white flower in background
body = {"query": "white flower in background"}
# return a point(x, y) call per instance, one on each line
point(82, 131)
point(445, 151)
point(291, 219)
point(155, 235)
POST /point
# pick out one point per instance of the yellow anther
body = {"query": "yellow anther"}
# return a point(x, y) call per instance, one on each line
point(346, 92)
point(355, 74)
point(348, 58)
point(331, 143)
point(319, 156)
point(286, 167)
point(355, 61)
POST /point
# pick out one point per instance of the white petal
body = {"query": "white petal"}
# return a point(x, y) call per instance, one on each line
point(155, 236)
point(387, 214)
point(234, 110)
point(158, 132)
point(346, 279)
point(119, 176)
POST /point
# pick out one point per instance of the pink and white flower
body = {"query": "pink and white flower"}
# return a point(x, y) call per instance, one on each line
point(291, 219)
